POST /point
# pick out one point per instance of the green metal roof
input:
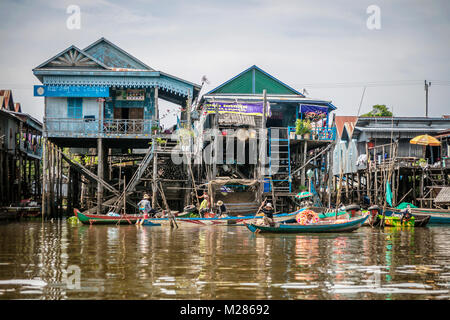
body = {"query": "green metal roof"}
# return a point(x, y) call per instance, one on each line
point(253, 81)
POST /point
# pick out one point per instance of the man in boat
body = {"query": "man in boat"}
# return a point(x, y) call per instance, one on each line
point(222, 209)
point(268, 214)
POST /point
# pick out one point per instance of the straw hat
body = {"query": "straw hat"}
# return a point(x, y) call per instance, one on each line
point(146, 196)
point(269, 205)
point(220, 202)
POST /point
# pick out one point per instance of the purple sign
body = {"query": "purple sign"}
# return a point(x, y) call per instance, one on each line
point(304, 108)
point(255, 109)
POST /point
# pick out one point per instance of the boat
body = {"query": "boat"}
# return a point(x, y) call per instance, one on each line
point(227, 220)
point(339, 225)
point(437, 216)
point(91, 219)
point(393, 219)
point(180, 219)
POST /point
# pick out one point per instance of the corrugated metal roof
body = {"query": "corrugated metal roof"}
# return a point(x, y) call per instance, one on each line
point(443, 196)
point(394, 129)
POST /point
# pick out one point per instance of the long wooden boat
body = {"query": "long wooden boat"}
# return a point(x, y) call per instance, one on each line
point(340, 225)
point(132, 218)
point(91, 219)
point(225, 221)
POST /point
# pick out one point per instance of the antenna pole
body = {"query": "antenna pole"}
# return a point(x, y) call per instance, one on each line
point(427, 84)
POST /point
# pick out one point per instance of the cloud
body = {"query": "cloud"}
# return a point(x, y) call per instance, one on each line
point(300, 42)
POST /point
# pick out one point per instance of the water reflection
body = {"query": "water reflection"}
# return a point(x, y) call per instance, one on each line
point(130, 262)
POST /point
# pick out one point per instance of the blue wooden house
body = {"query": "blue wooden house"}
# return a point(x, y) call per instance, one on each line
point(103, 97)
point(102, 91)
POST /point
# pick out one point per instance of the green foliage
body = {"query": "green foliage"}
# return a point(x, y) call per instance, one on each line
point(302, 188)
point(302, 126)
point(378, 110)
point(161, 141)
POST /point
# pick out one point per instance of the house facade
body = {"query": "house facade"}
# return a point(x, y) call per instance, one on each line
point(101, 97)
point(255, 115)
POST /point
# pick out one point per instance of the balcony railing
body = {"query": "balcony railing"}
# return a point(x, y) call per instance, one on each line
point(63, 127)
point(317, 133)
point(33, 150)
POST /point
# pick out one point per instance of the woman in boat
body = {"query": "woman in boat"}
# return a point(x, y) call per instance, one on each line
point(311, 218)
point(307, 217)
point(268, 214)
point(222, 209)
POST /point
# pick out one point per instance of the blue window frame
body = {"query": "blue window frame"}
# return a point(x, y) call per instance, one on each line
point(75, 108)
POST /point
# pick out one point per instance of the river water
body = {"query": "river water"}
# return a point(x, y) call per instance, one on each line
point(59, 260)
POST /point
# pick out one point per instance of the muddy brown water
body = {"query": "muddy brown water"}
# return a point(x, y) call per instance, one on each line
point(59, 260)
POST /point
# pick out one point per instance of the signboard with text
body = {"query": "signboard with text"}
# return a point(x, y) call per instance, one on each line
point(71, 91)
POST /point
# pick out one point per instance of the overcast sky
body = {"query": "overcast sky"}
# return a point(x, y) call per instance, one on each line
point(324, 46)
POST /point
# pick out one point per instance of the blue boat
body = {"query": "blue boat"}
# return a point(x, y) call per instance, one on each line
point(228, 220)
point(347, 225)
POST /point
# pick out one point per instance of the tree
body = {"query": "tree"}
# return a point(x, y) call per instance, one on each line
point(378, 110)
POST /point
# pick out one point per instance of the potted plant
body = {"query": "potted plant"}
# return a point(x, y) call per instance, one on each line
point(307, 129)
point(303, 128)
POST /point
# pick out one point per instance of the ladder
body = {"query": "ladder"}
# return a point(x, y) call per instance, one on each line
point(279, 161)
point(136, 178)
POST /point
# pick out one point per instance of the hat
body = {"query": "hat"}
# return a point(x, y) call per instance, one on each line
point(269, 205)
point(220, 202)
point(146, 196)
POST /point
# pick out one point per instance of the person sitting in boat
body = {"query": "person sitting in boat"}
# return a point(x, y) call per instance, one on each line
point(406, 214)
point(306, 217)
point(311, 218)
point(268, 214)
point(222, 209)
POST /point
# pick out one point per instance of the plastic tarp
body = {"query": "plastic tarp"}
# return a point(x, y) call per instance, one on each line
point(403, 205)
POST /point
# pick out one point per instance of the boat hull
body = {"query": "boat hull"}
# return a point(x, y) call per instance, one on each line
point(337, 226)
point(437, 216)
point(97, 219)
point(395, 221)
point(90, 219)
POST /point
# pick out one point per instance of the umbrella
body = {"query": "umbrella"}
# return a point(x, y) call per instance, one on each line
point(304, 194)
point(425, 140)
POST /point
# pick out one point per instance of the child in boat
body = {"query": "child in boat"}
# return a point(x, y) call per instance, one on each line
point(406, 214)
point(144, 208)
